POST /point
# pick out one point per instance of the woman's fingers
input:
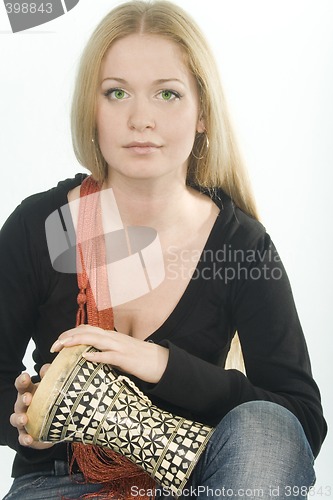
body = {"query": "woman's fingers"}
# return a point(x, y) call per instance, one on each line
point(100, 339)
point(103, 340)
point(144, 360)
point(147, 363)
point(108, 357)
point(24, 384)
point(19, 419)
point(25, 389)
point(44, 369)
point(76, 336)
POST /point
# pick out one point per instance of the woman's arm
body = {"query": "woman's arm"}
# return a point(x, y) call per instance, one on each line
point(19, 300)
point(262, 310)
point(260, 306)
point(17, 316)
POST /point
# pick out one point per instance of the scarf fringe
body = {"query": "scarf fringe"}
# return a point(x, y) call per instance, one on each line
point(117, 474)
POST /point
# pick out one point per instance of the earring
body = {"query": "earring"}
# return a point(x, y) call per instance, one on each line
point(96, 160)
point(205, 152)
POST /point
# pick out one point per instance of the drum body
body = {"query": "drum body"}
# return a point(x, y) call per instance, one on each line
point(90, 403)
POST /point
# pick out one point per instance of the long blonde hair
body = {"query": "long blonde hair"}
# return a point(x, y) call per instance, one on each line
point(217, 166)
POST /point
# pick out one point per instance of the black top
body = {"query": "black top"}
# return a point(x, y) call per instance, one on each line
point(239, 285)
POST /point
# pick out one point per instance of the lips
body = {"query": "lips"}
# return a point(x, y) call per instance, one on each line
point(142, 147)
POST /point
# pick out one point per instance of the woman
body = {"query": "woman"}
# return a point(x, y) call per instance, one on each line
point(150, 123)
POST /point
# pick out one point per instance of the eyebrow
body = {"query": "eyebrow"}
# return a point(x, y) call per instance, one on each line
point(160, 81)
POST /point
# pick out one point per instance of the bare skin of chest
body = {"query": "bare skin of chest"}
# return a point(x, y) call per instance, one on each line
point(181, 244)
point(141, 317)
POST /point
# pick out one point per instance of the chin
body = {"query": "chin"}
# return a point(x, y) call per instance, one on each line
point(140, 172)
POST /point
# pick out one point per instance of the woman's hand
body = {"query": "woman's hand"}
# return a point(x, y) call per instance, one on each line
point(25, 391)
point(144, 360)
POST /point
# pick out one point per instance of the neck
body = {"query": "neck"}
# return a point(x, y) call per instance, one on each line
point(159, 204)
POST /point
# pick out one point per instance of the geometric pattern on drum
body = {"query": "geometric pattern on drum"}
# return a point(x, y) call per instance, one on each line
point(97, 406)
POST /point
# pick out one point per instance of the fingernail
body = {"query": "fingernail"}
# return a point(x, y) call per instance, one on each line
point(21, 420)
point(24, 398)
point(88, 355)
point(28, 440)
point(55, 346)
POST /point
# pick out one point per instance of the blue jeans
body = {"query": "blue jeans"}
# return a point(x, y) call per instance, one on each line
point(258, 450)
point(54, 485)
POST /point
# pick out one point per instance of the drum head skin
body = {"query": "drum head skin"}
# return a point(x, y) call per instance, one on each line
point(48, 389)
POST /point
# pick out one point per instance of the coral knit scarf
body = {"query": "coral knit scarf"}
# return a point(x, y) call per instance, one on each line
point(99, 465)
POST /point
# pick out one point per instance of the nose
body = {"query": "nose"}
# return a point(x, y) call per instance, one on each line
point(141, 116)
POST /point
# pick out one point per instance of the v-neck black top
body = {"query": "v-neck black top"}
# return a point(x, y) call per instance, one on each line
point(238, 285)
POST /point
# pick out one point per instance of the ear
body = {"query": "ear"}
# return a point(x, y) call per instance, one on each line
point(201, 128)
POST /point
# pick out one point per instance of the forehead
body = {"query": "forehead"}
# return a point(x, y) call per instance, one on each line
point(146, 55)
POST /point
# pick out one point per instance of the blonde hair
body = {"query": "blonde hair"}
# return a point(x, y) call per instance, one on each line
point(218, 165)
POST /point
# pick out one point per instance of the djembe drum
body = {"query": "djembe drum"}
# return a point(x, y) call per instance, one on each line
point(90, 403)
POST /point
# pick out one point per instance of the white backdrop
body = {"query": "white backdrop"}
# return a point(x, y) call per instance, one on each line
point(276, 64)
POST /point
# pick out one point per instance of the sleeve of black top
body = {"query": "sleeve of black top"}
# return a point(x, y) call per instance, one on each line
point(274, 349)
point(18, 309)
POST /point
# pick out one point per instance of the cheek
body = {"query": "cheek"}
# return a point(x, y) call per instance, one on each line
point(183, 129)
point(108, 126)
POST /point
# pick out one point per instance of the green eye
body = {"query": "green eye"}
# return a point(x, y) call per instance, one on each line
point(119, 94)
point(116, 94)
point(167, 95)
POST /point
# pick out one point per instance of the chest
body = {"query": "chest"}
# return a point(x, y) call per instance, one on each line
point(144, 315)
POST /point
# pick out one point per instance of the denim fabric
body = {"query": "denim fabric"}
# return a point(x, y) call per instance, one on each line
point(258, 450)
point(45, 486)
